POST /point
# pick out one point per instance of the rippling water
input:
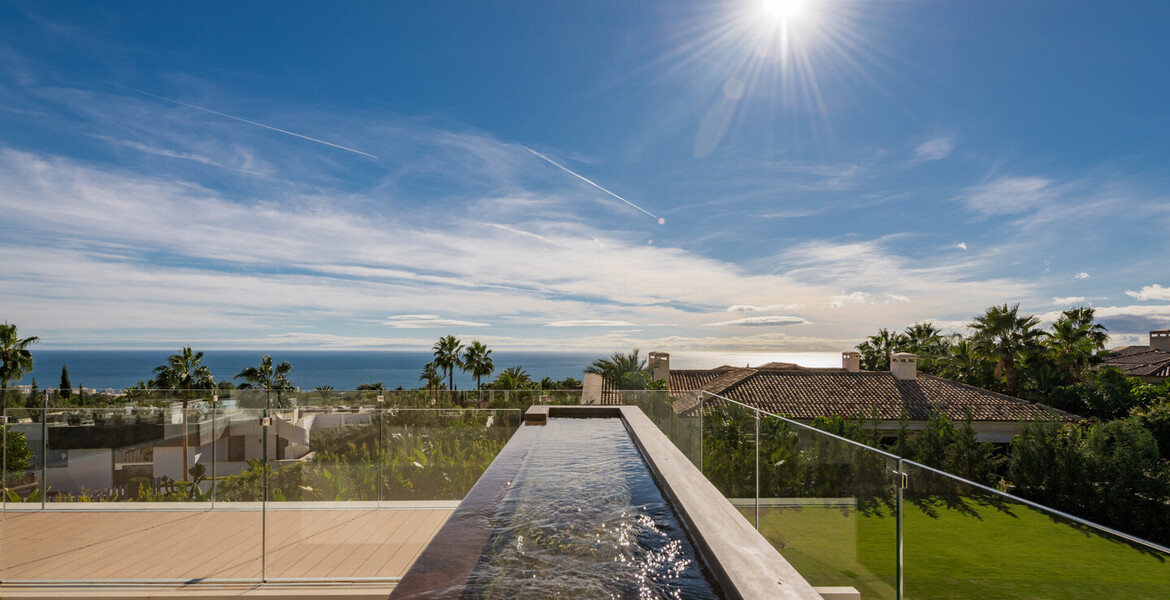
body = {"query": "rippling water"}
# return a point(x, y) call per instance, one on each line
point(584, 519)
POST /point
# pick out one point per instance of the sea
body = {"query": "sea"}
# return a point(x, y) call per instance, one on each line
point(116, 370)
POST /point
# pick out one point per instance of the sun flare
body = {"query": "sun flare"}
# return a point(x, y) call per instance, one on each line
point(781, 10)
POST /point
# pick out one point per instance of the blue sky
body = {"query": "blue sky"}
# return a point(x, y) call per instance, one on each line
point(294, 174)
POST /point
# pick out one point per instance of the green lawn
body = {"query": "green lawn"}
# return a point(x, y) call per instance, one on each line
point(949, 554)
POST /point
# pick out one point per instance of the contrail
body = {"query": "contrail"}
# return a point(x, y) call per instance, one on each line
point(586, 180)
point(242, 120)
point(206, 110)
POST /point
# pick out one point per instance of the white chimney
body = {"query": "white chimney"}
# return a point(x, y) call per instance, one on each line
point(660, 366)
point(591, 388)
point(904, 366)
point(851, 361)
point(1160, 340)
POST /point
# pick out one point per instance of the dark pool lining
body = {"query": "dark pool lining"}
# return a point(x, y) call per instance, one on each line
point(445, 566)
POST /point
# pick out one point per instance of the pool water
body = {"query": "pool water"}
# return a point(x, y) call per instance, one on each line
point(583, 518)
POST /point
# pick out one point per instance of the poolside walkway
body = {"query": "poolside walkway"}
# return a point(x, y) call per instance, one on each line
point(348, 546)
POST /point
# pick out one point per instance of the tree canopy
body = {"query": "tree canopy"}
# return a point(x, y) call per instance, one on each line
point(623, 371)
point(15, 359)
point(446, 352)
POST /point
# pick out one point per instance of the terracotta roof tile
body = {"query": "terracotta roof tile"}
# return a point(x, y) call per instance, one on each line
point(1140, 361)
point(811, 393)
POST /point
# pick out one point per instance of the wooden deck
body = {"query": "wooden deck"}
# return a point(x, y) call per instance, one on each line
point(197, 545)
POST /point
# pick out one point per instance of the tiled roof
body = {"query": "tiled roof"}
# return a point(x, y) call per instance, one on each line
point(811, 393)
point(694, 379)
point(1140, 361)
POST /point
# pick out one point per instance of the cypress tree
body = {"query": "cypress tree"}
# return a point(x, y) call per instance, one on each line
point(66, 389)
point(34, 396)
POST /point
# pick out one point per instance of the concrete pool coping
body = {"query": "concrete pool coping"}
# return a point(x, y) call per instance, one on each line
point(741, 560)
point(746, 565)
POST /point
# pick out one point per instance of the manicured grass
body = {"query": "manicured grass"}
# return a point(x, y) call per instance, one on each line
point(987, 553)
point(834, 546)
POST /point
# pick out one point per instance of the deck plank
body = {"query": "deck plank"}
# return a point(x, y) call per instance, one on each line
point(189, 545)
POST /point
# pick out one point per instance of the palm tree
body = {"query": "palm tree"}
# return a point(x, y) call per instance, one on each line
point(185, 372)
point(622, 371)
point(966, 365)
point(267, 378)
point(1003, 335)
point(432, 376)
point(927, 342)
point(477, 360)
point(16, 360)
point(1076, 341)
point(325, 392)
point(512, 378)
point(876, 349)
point(447, 351)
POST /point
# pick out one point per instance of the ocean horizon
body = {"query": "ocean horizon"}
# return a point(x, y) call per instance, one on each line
point(346, 369)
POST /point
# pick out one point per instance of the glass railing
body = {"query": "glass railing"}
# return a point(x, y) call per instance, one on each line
point(291, 492)
point(845, 514)
point(676, 414)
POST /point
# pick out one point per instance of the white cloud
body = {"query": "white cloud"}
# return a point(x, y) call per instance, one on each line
point(852, 297)
point(256, 261)
point(1008, 195)
point(1150, 292)
point(864, 298)
point(427, 321)
point(1068, 300)
point(748, 308)
point(960, 245)
point(935, 149)
point(1081, 275)
point(765, 321)
point(590, 323)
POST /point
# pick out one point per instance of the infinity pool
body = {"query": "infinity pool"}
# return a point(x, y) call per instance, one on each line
point(583, 518)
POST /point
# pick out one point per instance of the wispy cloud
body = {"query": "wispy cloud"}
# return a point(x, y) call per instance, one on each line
point(1081, 275)
point(590, 323)
point(808, 176)
point(427, 321)
point(747, 308)
point(1008, 195)
point(935, 149)
point(764, 321)
point(960, 245)
point(1068, 300)
point(859, 297)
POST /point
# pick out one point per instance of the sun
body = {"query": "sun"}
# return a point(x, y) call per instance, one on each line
point(780, 10)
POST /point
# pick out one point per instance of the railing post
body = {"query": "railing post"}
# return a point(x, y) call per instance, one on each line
point(378, 446)
point(44, 450)
point(4, 470)
point(701, 432)
point(214, 440)
point(264, 504)
point(899, 485)
point(757, 440)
